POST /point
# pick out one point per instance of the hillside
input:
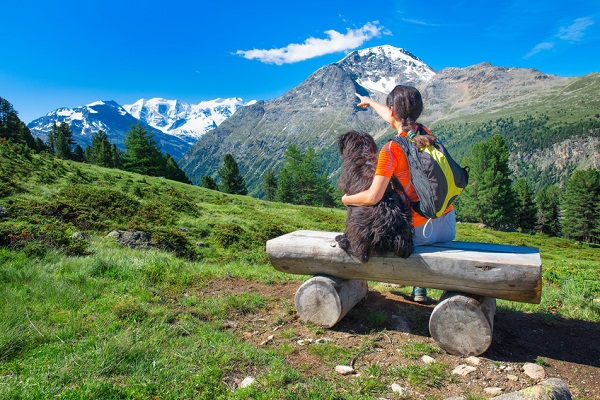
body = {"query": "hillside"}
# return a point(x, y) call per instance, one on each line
point(200, 308)
point(539, 116)
point(551, 125)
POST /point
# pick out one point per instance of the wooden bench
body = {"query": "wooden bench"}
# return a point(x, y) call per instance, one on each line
point(472, 276)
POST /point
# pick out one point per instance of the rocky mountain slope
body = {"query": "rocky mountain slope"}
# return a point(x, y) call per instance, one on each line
point(462, 105)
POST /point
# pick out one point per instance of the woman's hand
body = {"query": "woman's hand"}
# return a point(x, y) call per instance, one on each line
point(345, 199)
point(364, 101)
point(368, 197)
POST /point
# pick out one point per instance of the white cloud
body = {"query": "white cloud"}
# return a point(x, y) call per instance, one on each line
point(573, 32)
point(314, 47)
point(540, 47)
point(419, 22)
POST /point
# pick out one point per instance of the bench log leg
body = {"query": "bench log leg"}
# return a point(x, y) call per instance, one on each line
point(325, 300)
point(463, 324)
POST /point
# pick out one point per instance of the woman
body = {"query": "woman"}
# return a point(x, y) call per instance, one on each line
point(403, 107)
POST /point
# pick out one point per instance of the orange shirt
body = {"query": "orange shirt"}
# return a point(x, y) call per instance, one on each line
point(392, 160)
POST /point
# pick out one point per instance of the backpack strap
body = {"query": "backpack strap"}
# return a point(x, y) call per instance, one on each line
point(396, 185)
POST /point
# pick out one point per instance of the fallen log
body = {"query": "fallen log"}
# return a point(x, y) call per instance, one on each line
point(324, 300)
point(489, 270)
point(463, 324)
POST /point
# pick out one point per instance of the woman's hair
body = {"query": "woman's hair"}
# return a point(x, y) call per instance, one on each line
point(423, 141)
point(407, 104)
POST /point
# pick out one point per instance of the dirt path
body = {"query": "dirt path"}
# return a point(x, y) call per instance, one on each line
point(567, 349)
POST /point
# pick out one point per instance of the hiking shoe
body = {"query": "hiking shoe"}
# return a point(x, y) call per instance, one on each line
point(419, 294)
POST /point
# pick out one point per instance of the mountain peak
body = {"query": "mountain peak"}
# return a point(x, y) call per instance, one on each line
point(186, 121)
point(379, 69)
point(388, 51)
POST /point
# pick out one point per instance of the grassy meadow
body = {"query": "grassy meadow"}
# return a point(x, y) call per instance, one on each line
point(89, 319)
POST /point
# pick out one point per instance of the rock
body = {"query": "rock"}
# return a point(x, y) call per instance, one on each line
point(393, 285)
point(463, 370)
point(401, 391)
point(248, 381)
point(344, 369)
point(473, 360)
point(133, 239)
point(534, 371)
point(324, 340)
point(81, 235)
point(492, 391)
point(269, 339)
point(304, 342)
point(427, 359)
point(550, 389)
point(512, 377)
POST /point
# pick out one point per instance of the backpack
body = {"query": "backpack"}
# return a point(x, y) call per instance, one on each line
point(436, 177)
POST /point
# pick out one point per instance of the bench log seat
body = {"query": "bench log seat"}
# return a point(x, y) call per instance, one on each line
point(471, 274)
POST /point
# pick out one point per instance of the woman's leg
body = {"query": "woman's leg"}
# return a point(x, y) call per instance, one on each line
point(442, 229)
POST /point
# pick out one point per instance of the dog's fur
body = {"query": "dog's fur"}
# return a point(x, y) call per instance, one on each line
point(384, 227)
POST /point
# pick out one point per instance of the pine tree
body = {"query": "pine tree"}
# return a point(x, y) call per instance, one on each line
point(269, 184)
point(580, 205)
point(489, 197)
point(548, 202)
point(209, 183)
point(142, 154)
point(300, 180)
point(173, 172)
point(117, 157)
point(61, 138)
point(526, 210)
point(52, 137)
point(12, 128)
point(78, 154)
point(100, 152)
point(231, 180)
point(40, 145)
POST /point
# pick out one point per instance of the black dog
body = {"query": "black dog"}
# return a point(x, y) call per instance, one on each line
point(384, 227)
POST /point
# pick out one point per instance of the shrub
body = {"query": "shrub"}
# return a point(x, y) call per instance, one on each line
point(173, 240)
point(35, 239)
point(228, 234)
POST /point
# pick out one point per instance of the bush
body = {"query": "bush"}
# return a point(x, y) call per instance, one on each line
point(228, 234)
point(35, 240)
point(173, 240)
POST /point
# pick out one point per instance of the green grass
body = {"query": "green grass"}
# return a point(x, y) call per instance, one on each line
point(434, 375)
point(415, 350)
point(89, 320)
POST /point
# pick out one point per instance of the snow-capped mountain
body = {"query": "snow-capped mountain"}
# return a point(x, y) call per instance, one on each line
point(108, 116)
point(314, 113)
point(380, 69)
point(186, 121)
point(310, 115)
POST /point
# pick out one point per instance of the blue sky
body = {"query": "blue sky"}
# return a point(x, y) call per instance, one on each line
point(72, 53)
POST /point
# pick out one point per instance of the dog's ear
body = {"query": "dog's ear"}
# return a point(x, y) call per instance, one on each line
point(341, 142)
